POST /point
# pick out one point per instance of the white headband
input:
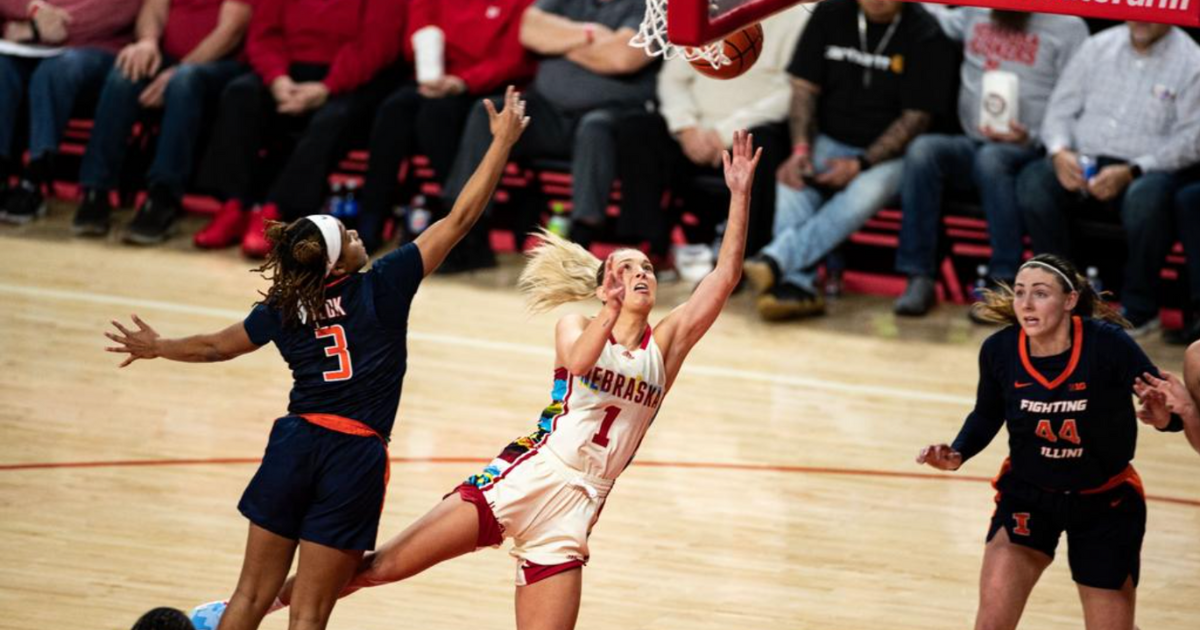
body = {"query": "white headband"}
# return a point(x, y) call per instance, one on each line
point(331, 231)
point(1043, 265)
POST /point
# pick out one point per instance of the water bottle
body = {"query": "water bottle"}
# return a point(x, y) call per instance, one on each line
point(333, 204)
point(350, 205)
point(1089, 167)
point(1093, 278)
point(981, 282)
point(418, 216)
point(559, 222)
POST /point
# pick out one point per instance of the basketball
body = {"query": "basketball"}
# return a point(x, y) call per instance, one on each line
point(742, 48)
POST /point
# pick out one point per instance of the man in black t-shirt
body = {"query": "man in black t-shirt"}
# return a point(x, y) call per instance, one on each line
point(867, 78)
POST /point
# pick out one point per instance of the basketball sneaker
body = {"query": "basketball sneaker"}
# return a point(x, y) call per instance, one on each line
point(226, 228)
point(208, 616)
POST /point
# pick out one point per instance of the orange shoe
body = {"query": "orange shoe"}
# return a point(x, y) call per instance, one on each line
point(254, 243)
point(225, 229)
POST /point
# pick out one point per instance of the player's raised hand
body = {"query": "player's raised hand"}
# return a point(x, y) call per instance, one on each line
point(940, 456)
point(138, 344)
point(508, 124)
point(614, 284)
point(1154, 410)
point(739, 167)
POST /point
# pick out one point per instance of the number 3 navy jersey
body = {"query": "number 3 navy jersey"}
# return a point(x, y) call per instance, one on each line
point(353, 364)
point(1070, 417)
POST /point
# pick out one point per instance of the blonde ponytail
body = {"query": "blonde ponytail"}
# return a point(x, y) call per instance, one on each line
point(557, 272)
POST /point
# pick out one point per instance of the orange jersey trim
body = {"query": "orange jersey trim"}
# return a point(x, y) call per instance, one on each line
point(1076, 351)
point(1129, 476)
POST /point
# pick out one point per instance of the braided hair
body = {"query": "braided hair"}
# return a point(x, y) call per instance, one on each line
point(296, 270)
point(997, 305)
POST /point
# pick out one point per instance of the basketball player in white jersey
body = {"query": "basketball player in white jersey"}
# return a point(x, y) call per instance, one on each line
point(612, 373)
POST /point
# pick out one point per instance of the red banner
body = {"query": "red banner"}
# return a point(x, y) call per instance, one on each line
point(1181, 12)
point(690, 23)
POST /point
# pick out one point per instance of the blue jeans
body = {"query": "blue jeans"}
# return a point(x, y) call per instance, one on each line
point(52, 85)
point(1187, 216)
point(810, 224)
point(935, 163)
point(1145, 212)
point(188, 92)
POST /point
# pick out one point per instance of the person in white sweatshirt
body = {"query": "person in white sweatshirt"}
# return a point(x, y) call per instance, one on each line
point(695, 122)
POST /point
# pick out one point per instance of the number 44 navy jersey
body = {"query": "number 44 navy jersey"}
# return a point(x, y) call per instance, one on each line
point(353, 364)
point(1071, 422)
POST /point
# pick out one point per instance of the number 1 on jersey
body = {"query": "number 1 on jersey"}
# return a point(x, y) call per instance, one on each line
point(610, 416)
point(338, 349)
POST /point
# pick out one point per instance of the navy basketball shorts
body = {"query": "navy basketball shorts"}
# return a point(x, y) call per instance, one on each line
point(318, 485)
point(1104, 530)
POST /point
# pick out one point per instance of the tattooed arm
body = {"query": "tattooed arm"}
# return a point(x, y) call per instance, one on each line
point(802, 121)
point(892, 142)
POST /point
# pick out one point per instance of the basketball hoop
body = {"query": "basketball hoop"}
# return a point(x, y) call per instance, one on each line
point(652, 38)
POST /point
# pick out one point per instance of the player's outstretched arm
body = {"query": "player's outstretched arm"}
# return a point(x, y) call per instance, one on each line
point(684, 327)
point(145, 343)
point(1162, 399)
point(437, 240)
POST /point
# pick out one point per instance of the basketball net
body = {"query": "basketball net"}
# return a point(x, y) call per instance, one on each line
point(652, 38)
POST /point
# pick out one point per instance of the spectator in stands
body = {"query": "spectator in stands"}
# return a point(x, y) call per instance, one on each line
point(588, 77)
point(1187, 217)
point(1130, 100)
point(695, 122)
point(182, 57)
point(868, 77)
point(317, 67)
point(482, 55)
point(1034, 47)
point(88, 33)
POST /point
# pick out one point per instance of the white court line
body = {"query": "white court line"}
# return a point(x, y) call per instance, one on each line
point(502, 346)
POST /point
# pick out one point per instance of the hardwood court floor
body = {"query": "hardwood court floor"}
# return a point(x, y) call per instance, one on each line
point(777, 489)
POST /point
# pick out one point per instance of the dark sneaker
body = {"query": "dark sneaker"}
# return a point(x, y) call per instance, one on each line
point(154, 222)
point(464, 258)
point(24, 204)
point(93, 214)
point(761, 272)
point(919, 296)
point(1189, 334)
point(788, 301)
point(1143, 326)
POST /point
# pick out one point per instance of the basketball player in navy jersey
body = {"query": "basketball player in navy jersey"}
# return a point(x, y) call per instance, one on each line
point(612, 373)
point(322, 480)
point(1061, 377)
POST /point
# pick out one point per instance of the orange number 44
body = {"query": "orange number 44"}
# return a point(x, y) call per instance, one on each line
point(1068, 432)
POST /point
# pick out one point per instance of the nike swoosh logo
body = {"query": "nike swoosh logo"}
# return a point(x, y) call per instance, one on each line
point(1020, 385)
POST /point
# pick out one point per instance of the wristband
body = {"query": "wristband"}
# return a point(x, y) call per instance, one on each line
point(1135, 170)
point(33, 28)
point(590, 31)
point(800, 149)
point(863, 163)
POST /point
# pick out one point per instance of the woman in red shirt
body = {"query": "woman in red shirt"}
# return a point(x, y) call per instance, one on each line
point(317, 66)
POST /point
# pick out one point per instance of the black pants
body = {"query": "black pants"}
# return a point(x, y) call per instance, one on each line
point(407, 123)
point(650, 161)
point(303, 149)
